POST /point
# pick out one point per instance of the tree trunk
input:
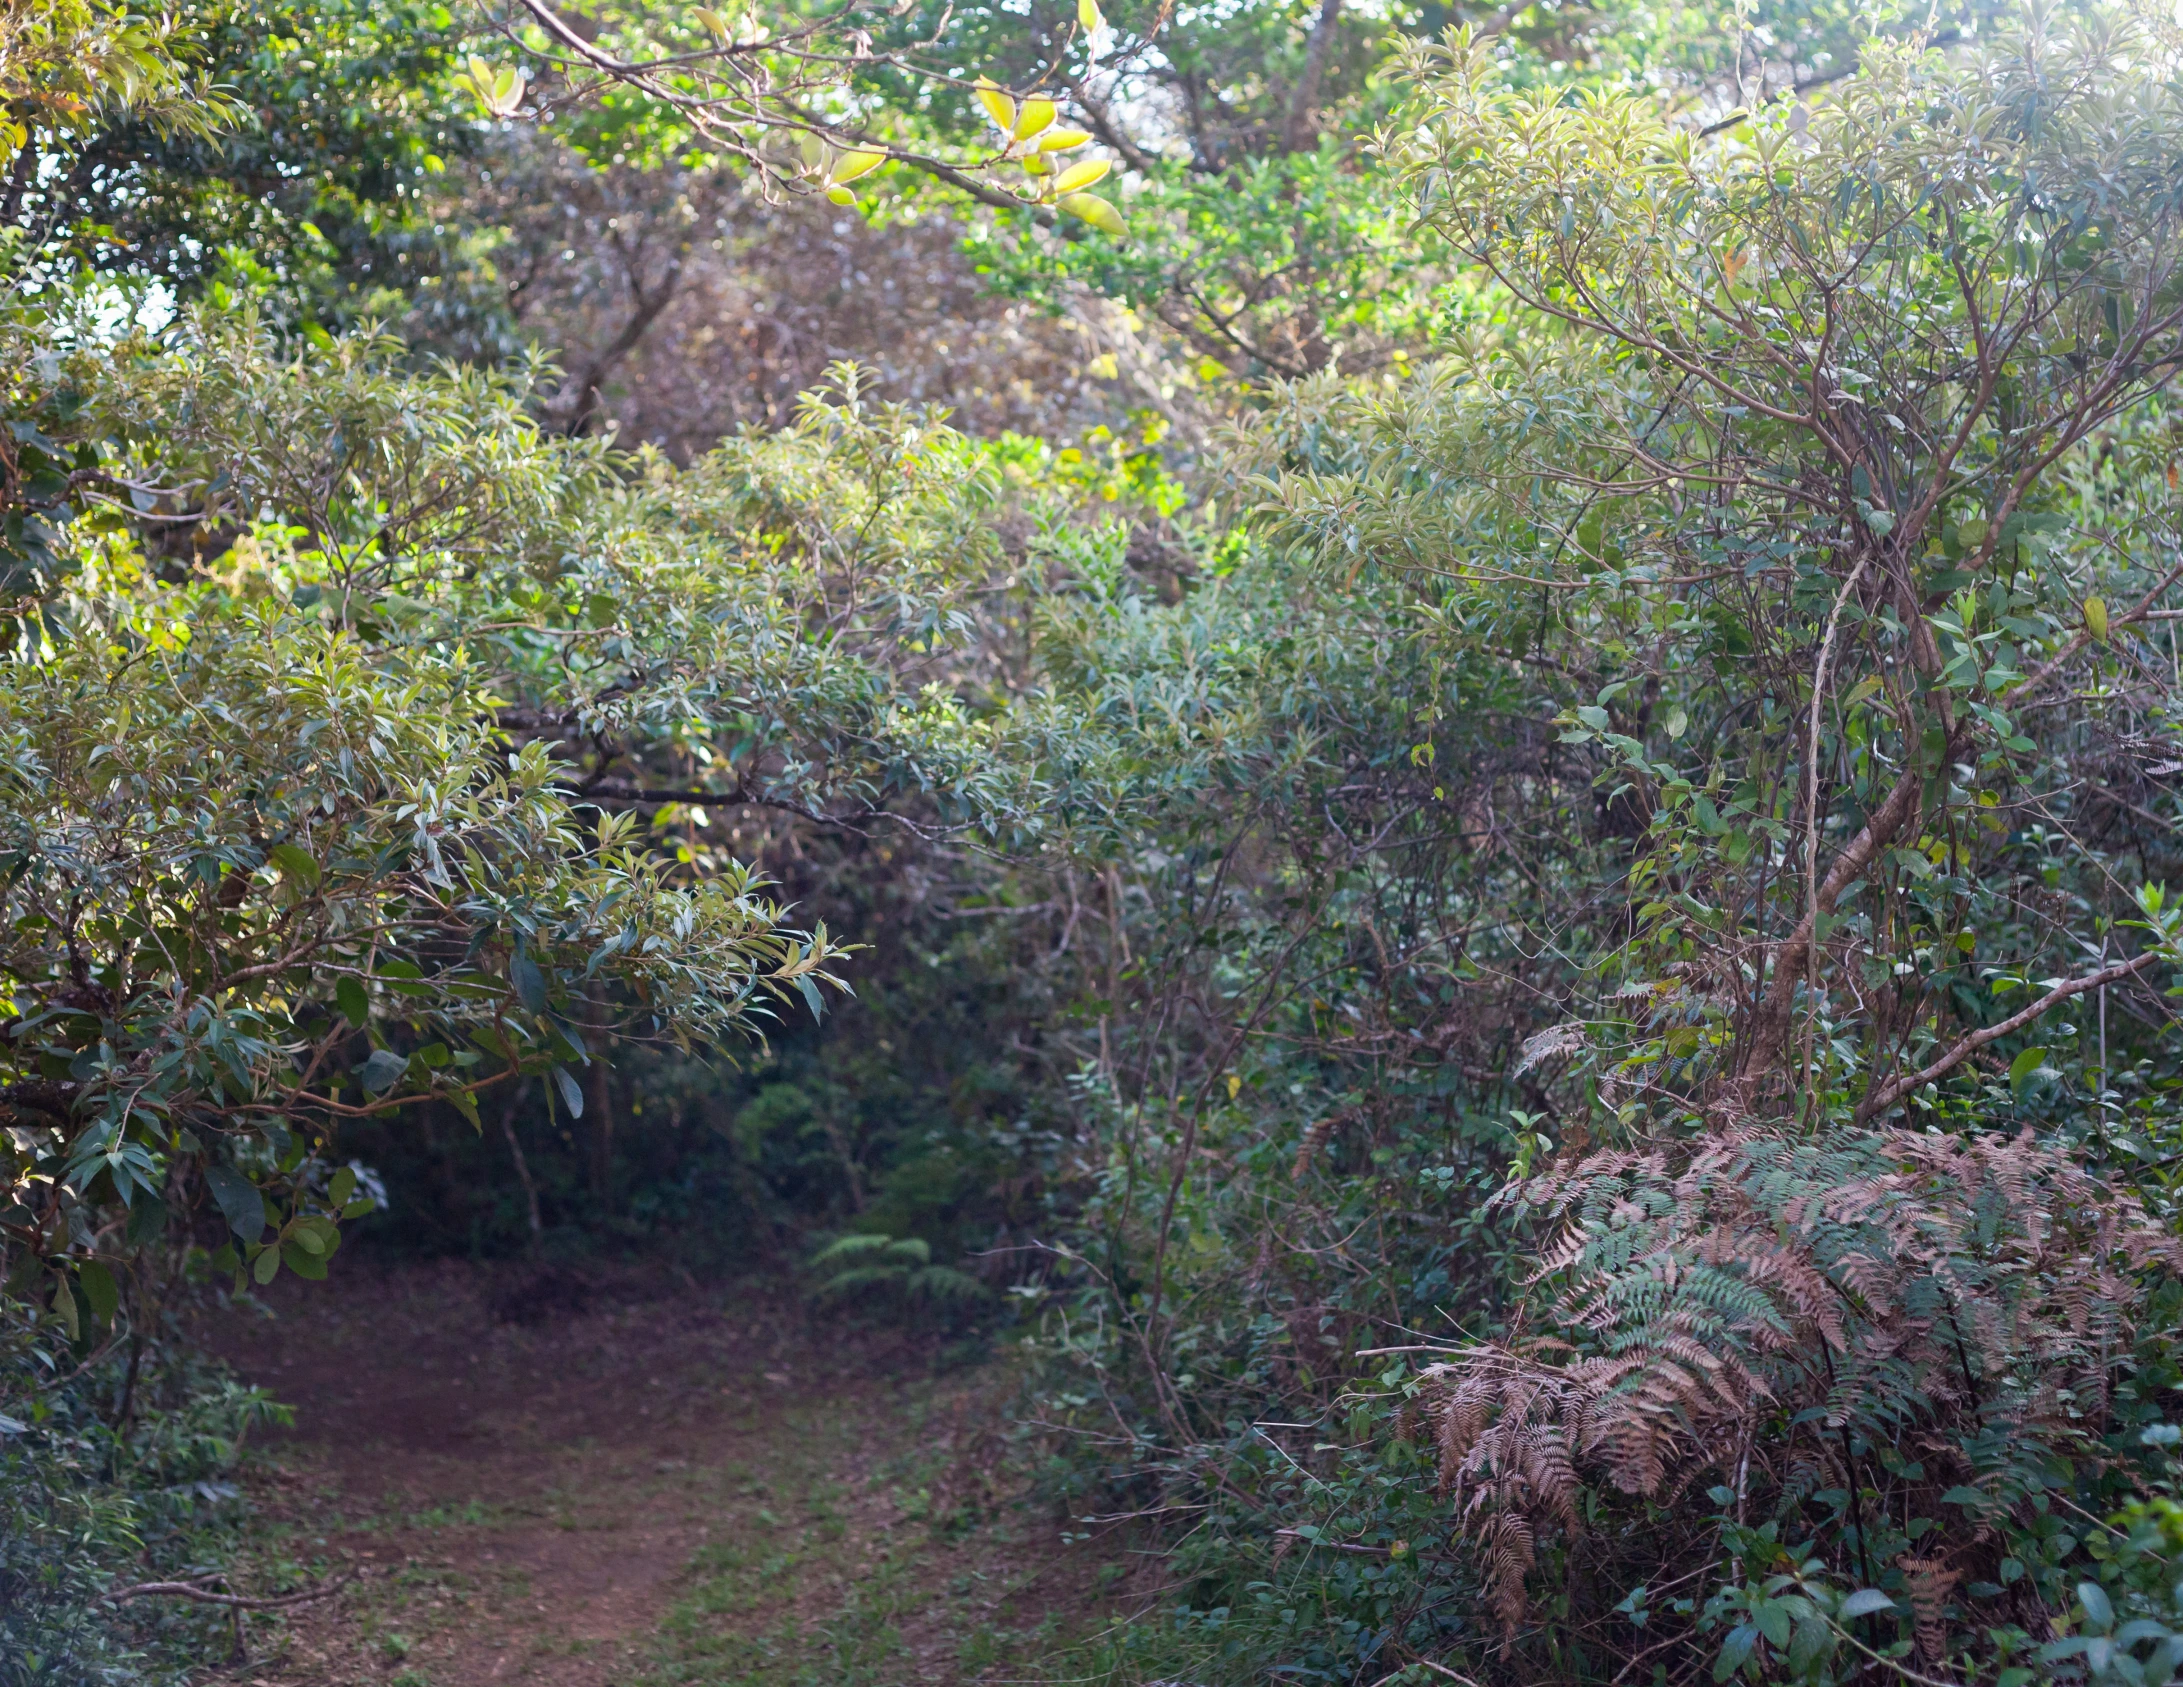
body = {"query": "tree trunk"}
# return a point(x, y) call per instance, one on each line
point(522, 1170)
point(602, 1109)
point(1298, 132)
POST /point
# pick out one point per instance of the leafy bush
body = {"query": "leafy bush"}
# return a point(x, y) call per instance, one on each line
point(87, 1506)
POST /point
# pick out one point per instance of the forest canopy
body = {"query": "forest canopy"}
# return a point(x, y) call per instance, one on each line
point(1428, 755)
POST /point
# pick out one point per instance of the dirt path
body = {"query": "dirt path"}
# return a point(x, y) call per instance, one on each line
point(690, 1488)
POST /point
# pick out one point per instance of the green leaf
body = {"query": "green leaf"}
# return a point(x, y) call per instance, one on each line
point(529, 982)
point(2097, 1611)
point(1813, 1641)
point(238, 1199)
point(267, 1265)
point(382, 1071)
point(297, 865)
point(1865, 1602)
point(314, 1235)
point(342, 1189)
point(64, 1304)
point(99, 1289)
point(353, 1000)
point(2025, 1066)
point(572, 1097)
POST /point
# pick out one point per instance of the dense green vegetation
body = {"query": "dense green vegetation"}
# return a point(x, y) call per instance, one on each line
point(1483, 859)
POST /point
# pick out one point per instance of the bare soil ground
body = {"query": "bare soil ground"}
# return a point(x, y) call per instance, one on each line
point(633, 1483)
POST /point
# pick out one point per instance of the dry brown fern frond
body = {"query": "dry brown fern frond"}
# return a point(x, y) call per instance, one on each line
point(1913, 1286)
point(1930, 1583)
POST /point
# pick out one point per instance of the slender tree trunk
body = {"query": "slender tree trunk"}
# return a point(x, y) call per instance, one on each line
point(602, 1109)
point(1297, 133)
point(581, 396)
point(522, 1169)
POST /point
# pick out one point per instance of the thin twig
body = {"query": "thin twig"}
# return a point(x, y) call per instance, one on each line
point(205, 1596)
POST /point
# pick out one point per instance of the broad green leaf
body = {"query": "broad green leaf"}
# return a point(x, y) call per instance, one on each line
point(99, 1290)
point(297, 864)
point(64, 1304)
point(382, 1071)
point(238, 1199)
point(529, 982)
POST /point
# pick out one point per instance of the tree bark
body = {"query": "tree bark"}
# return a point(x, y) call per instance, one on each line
point(602, 1108)
point(581, 396)
point(1299, 131)
point(522, 1170)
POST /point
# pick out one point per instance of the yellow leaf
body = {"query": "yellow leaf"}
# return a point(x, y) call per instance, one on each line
point(715, 24)
point(499, 91)
point(2095, 618)
point(1081, 175)
point(1036, 165)
point(1036, 117)
point(1087, 14)
point(1063, 140)
point(841, 196)
point(998, 105)
point(851, 165)
point(1090, 208)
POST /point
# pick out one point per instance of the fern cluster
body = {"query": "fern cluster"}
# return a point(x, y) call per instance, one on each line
point(1758, 1306)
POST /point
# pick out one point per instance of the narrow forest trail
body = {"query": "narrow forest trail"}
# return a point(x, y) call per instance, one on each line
point(633, 1492)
